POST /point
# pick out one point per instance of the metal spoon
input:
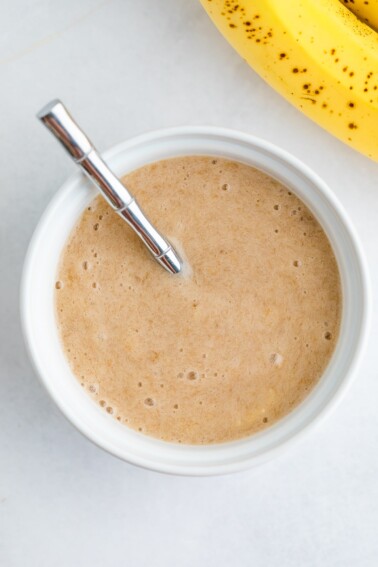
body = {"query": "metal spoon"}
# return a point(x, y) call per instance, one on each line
point(58, 120)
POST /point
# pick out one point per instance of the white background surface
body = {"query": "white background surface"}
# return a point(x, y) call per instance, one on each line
point(123, 68)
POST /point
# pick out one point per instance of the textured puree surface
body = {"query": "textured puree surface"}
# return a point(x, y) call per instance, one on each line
point(228, 348)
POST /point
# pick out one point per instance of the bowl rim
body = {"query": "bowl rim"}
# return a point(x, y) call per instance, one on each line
point(277, 153)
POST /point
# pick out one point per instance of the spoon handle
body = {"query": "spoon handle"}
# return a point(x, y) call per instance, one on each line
point(58, 120)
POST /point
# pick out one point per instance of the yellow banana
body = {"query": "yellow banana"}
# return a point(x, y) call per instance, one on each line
point(365, 10)
point(317, 54)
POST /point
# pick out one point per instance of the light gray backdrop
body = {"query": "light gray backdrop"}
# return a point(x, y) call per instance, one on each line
point(125, 67)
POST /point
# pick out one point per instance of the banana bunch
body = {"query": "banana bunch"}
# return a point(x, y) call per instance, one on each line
point(317, 54)
point(365, 10)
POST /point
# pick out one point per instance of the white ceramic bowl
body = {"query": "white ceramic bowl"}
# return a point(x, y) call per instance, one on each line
point(38, 317)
